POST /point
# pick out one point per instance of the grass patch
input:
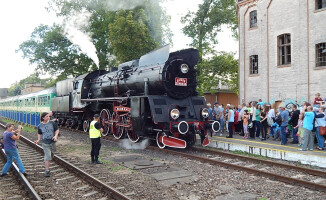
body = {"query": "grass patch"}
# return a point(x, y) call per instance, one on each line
point(75, 148)
point(116, 149)
point(263, 198)
point(29, 129)
point(243, 153)
point(131, 170)
point(116, 168)
point(108, 162)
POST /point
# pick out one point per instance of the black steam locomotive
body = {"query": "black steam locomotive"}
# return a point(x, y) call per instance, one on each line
point(151, 97)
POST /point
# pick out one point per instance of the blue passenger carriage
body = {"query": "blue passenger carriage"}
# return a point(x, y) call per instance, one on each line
point(27, 108)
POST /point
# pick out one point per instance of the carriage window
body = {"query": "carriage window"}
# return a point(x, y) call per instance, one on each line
point(76, 85)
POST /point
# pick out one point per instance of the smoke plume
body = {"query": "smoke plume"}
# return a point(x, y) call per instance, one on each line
point(127, 144)
point(74, 28)
point(115, 5)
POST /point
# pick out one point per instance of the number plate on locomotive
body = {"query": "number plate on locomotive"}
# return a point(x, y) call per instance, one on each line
point(180, 81)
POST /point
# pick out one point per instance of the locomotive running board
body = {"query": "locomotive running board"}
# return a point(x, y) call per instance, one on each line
point(173, 142)
point(205, 142)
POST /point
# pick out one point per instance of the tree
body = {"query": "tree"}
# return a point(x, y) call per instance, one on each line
point(52, 51)
point(222, 67)
point(129, 35)
point(203, 26)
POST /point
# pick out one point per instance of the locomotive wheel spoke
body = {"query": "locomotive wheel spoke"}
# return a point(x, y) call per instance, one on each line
point(85, 126)
point(132, 135)
point(117, 130)
point(104, 117)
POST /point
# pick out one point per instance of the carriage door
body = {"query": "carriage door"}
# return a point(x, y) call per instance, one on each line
point(76, 95)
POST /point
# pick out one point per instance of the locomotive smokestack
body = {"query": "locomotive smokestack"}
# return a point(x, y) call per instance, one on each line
point(146, 86)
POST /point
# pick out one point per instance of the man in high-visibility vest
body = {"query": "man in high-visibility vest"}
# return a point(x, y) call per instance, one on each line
point(95, 130)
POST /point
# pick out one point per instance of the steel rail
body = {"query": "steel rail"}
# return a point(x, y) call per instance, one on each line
point(32, 193)
point(92, 180)
point(302, 169)
point(272, 176)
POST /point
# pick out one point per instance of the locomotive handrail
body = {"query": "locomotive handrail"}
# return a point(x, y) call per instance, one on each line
point(105, 99)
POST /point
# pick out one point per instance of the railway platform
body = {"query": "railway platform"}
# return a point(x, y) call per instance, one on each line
point(269, 148)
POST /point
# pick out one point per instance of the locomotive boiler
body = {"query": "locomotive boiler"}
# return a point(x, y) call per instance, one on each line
point(151, 97)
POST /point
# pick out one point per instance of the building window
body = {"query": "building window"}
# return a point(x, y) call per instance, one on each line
point(284, 49)
point(254, 64)
point(253, 19)
point(320, 4)
point(321, 55)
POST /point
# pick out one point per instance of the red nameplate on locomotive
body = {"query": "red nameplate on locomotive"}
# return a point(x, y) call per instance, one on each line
point(180, 81)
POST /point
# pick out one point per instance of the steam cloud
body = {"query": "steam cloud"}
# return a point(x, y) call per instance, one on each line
point(76, 24)
point(74, 29)
point(115, 5)
point(127, 144)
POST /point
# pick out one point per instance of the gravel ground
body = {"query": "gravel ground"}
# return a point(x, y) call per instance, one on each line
point(213, 182)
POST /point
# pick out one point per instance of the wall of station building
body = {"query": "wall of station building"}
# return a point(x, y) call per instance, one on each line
point(301, 79)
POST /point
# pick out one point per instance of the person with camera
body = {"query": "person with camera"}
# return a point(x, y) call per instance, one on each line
point(9, 143)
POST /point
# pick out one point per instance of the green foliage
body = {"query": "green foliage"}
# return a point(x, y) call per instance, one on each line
point(221, 67)
point(54, 53)
point(203, 26)
point(129, 35)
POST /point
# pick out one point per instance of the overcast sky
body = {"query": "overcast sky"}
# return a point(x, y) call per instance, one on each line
point(20, 17)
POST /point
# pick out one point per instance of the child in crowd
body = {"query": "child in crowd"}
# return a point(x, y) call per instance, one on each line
point(245, 119)
point(318, 100)
point(277, 131)
point(300, 130)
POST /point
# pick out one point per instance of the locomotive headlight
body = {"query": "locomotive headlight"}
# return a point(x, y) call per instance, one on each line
point(204, 113)
point(184, 68)
point(175, 113)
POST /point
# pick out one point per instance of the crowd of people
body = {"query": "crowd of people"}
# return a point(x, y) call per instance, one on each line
point(268, 121)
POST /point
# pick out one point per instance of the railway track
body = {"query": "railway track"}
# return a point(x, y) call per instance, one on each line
point(66, 182)
point(294, 175)
point(14, 184)
point(309, 178)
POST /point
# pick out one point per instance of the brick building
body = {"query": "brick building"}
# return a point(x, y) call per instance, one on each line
point(282, 50)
